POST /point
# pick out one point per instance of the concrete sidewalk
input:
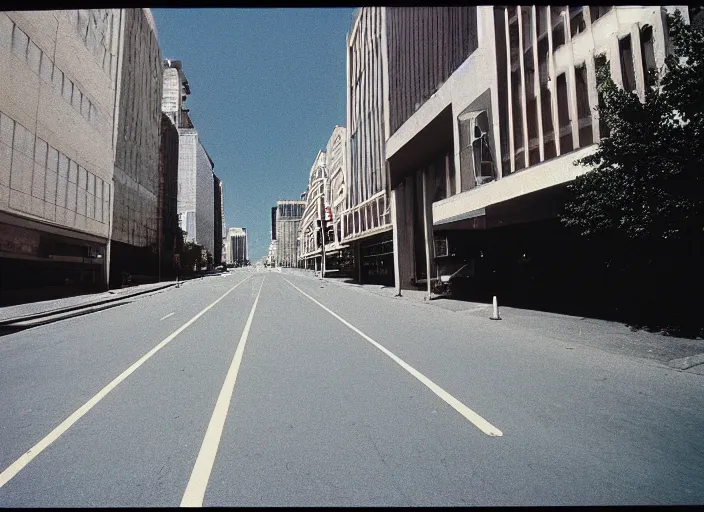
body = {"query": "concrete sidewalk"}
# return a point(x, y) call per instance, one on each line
point(50, 307)
point(614, 337)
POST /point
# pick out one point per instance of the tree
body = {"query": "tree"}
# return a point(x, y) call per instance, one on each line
point(191, 256)
point(645, 191)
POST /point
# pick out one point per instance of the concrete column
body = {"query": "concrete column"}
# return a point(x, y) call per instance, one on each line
point(638, 61)
point(358, 260)
point(428, 232)
point(509, 89)
point(395, 220)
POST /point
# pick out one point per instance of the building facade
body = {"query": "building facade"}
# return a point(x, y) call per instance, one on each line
point(336, 159)
point(196, 206)
point(309, 237)
point(58, 86)
point(135, 218)
point(479, 164)
point(325, 195)
point(219, 233)
point(288, 220)
point(366, 219)
point(170, 239)
point(271, 254)
point(238, 246)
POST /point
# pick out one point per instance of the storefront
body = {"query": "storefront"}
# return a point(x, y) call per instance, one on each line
point(39, 265)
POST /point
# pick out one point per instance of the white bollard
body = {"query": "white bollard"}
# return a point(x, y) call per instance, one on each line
point(495, 316)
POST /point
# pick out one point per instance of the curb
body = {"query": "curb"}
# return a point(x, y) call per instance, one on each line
point(58, 311)
point(28, 324)
point(686, 363)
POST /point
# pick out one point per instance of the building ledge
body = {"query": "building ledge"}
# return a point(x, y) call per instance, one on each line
point(544, 175)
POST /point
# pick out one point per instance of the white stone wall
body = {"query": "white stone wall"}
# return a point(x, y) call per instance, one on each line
point(57, 91)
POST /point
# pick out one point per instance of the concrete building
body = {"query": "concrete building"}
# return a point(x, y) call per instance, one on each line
point(196, 201)
point(170, 239)
point(366, 219)
point(309, 235)
point(135, 216)
point(485, 129)
point(271, 255)
point(196, 194)
point(238, 246)
point(336, 161)
point(58, 89)
point(327, 183)
point(220, 231)
point(288, 220)
point(273, 222)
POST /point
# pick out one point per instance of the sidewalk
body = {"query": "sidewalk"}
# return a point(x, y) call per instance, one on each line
point(614, 337)
point(11, 313)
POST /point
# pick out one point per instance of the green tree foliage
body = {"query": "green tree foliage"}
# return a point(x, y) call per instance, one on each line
point(191, 256)
point(647, 177)
point(645, 194)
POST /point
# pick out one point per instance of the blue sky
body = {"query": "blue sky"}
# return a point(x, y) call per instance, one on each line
point(267, 89)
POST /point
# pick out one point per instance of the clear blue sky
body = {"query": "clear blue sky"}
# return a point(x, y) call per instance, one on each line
point(267, 89)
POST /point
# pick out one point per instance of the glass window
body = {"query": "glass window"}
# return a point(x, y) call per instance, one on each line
point(599, 64)
point(584, 112)
point(563, 114)
point(546, 100)
point(558, 26)
point(627, 70)
point(577, 23)
point(597, 11)
point(648, 54)
point(517, 110)
point(542, 20)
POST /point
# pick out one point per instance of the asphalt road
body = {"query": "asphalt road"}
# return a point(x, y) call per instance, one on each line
point(272, 389)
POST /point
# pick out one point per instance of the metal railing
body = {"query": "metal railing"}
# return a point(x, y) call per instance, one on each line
point(368, 218)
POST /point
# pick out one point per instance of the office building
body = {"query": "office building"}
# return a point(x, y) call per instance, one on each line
point(57, 91)
point(366, 220)
point(238, 246)
point(196, 195)
point(134, 245)
point(288, 220)
point(220, 231)
point(484, 131)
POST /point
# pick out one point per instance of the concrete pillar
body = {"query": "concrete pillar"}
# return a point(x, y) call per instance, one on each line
point(428, 233)
point(358, 260)
point(402, 216)
point(395, 221)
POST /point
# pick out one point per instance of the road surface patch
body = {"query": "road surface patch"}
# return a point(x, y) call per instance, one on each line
point(465, 411)
point(17, 466)
point(198, 482)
